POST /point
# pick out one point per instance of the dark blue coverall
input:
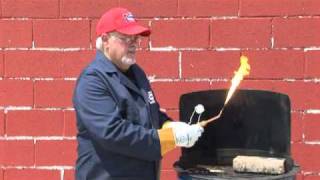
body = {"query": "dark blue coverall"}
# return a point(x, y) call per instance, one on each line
point(117, 120)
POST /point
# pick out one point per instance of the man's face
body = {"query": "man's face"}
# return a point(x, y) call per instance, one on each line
point(121, 49)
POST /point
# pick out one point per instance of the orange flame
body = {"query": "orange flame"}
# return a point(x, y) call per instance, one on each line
point(243, 70)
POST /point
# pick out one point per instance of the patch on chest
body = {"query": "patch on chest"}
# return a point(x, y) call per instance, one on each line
point(151, 97)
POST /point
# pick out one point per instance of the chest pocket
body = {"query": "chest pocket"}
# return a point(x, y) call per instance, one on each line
point(134, 108)
point(131, 104)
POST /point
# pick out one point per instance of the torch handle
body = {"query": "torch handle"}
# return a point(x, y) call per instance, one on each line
point(206, 122)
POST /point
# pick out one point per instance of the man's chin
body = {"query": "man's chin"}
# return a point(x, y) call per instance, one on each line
point(128, 60)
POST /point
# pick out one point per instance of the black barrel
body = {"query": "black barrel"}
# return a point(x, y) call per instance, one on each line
point(254, 122)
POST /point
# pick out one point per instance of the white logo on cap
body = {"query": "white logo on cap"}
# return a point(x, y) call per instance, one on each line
point(129, 17)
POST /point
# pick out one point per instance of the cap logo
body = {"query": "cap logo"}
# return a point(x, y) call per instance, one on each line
point(128, 17)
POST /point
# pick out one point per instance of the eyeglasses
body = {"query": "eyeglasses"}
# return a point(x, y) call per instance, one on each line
point(127, 39)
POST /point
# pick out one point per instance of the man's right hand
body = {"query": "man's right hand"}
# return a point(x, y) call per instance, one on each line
point(186, 135)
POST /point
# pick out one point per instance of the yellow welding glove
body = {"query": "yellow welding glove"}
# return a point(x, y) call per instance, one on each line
point(180, 134)
point(167, 140)
point(166, 124)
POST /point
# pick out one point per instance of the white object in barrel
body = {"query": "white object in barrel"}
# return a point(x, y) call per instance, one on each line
point(256, 164)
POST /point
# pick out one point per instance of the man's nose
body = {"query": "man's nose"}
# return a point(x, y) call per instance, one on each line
point(134, 45)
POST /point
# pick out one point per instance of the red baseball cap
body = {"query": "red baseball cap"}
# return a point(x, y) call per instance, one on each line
point(120, 20)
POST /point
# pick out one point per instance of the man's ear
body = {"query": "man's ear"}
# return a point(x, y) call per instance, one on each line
point(105, 39)
point(105, 44)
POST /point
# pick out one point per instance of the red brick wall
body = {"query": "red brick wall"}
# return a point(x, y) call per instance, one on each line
point(195, 45)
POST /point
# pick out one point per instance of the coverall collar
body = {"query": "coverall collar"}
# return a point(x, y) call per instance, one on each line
point(109, 67)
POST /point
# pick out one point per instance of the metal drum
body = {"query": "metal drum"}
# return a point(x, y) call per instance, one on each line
point(253, 123)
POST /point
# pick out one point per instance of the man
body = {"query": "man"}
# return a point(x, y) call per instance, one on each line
point(118, 117)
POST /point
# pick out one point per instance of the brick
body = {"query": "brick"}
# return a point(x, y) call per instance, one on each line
point(208, 8)
point(311, 91)
point(299, 176)
point(180, 33)
point(306, 155)
point(16, 92)
point(144, 41)
point(241, 33)
point(45, 63)
point(223, 85)
point(174, 114)
point(69, 175)
point(61, 33)
point(299, 37)
point(306, 96)
point(311, 177)
point(311, 123)
point(70, 126)
point(1, 64)
point(34, 174)
point(2, 123)
point(276, 64)
point(209, 64)
point(159, 64)
point(62, 152)
point(93, 25)
point(57, 93)
point(34, 123)
point(168, 175)
point(170, 158)
point(20, 37)
point(30, 8)
point(88, 8)
point(311, 7)
point(32, 64)
point(296, 127)
point(271, 7)
point(312, 64)
point(300, 100)
point(154, 8)
point(74, 62)
point(17, 152)
point(168, 94)
point(268, 85)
